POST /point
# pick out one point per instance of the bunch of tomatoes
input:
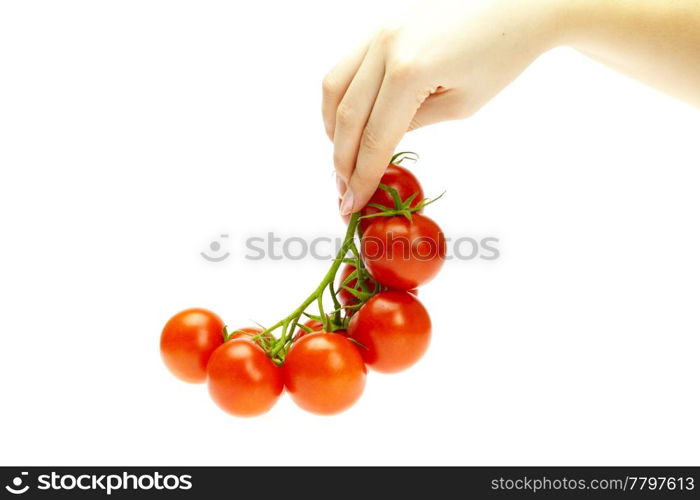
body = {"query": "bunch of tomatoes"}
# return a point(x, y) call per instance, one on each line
point(372, 316)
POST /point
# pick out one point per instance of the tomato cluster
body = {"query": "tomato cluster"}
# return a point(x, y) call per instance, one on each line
point(376, 321)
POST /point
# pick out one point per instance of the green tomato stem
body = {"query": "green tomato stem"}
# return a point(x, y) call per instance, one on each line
point(318, 292)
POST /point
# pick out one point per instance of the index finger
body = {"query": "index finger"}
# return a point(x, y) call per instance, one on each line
point(395, 107)
point(336, 83)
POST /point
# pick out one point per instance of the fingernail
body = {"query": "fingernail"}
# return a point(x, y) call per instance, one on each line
point(342, 186)
point(348, 200)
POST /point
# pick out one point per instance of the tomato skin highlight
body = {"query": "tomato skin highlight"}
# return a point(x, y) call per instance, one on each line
point(242, 380)
point(188, 340)
point(394, 329)
point(324, 373)
point(403, 254)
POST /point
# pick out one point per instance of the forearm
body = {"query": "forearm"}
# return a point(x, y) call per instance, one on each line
point(445, 59)
point(654, 41)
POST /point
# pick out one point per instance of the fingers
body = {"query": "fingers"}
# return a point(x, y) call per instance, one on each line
point(398, 100)
point(336, 83)
point(354, 111)
point(440, 107)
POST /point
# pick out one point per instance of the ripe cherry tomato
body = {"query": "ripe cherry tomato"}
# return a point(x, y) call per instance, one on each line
point(187, 341)
point(398, 178)
point(403, 254)
point(246, 332)
point(242, 379)
point(405, 184)
point(346, 298)
point(316, 326)
point(324, 373)
point(252, 333)
point(394, 330)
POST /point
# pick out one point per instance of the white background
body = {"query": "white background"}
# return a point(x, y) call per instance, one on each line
point(133, 133)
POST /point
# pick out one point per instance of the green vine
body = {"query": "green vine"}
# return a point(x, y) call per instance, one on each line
point(365, 286)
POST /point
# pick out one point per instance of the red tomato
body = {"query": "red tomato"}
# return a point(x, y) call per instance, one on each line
point(316, 326)
point(324, 373)
point(242, 380)
point(394, 330)
point(346, 298)
point(405, 184)
point(187, 341)
point(252, 333)
point(398, 178)
point(403, 254)
point(246, 332)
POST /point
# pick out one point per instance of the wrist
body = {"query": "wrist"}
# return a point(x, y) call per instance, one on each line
point(559, 20)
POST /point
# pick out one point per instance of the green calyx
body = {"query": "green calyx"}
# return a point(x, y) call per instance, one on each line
point(401, 207)
point(404, 155)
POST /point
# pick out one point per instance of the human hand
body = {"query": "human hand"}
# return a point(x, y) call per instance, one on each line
point(441, 61)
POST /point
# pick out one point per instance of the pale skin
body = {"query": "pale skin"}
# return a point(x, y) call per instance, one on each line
point(445, 59)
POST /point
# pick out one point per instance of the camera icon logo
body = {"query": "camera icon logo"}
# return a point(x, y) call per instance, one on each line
point(219, 254)
point(16, 487)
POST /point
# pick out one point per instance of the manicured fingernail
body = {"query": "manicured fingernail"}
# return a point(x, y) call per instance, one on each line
point(348, 200)
point(342, 186)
